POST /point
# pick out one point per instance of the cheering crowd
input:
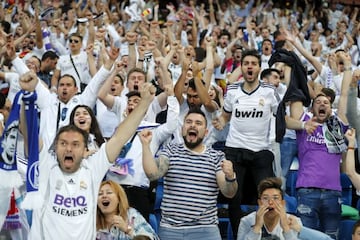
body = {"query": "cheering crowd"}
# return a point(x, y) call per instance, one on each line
point(100, 101)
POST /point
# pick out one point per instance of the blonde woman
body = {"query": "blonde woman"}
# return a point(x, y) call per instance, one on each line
point(115, 220)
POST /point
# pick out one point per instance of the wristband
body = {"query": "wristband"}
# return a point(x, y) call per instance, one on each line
point(140, 60)
point(131, 43)
point(231, 180)
point(350, 148)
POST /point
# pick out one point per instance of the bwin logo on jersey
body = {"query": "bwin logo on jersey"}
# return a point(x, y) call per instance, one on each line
point(249, 114)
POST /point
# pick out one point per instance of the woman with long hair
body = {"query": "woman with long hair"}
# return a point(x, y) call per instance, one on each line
point(83, 117)
point(115, 219)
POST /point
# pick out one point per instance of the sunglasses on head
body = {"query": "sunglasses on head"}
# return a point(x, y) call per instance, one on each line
point(74, 41)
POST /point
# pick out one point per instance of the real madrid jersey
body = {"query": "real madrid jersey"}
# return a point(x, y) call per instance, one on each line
point(250, 116)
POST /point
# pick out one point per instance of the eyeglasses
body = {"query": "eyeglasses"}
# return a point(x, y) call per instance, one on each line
point(63, 113)
point(73, 41)
point(268, 198)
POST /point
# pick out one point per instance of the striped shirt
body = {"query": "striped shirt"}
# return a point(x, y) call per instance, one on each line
point(190, 187)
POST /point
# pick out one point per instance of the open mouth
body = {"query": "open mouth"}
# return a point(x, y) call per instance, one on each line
point(82, 121)
point(68, 161)
point(270, 209)
point(105, 203)
point(136, 87)
point(192, 135)
point(250, 73)
point(322, 112)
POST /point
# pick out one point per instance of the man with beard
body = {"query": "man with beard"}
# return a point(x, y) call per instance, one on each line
point(319, 192)
point(193, 174)
point(248, 106)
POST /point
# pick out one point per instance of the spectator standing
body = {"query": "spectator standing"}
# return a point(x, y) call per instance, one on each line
point(248, 103)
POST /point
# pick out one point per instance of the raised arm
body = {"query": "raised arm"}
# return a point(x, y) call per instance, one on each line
point(153, 169)
point(127, 128)
point(350, 159)
point(345, 85)
point(105, 97)
point(88, 96)
point(28, 82)
point(317, 65)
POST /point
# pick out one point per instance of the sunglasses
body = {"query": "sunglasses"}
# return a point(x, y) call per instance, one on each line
point(74, 41)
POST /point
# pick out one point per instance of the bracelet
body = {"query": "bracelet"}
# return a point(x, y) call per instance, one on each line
point(140, 60)
point(350, 148)
point(131, 43)
point(231, 180)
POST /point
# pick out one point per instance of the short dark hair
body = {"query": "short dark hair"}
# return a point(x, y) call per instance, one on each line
point(267, 72)
point(71, 128)
point(68, 75)
point(192, 84)
point(196, 110)
point(75, 34)
point(266, 40)
point(133, 93)
point(49, 54)
point(329, 93)
point(250, 52)
point(271, 182)
point(225, 32)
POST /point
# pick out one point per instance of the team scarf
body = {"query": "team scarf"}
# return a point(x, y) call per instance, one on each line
point(9, 176)
point(33, 198)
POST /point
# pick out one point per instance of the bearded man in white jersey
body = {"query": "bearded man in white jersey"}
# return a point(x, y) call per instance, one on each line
point(69, 181)
point(248, 107)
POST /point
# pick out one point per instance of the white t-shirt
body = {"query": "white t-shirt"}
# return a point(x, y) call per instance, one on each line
point(69, 210)
point(250, 116)
point(81, 63)
point(108, 120)
point(160, 135)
